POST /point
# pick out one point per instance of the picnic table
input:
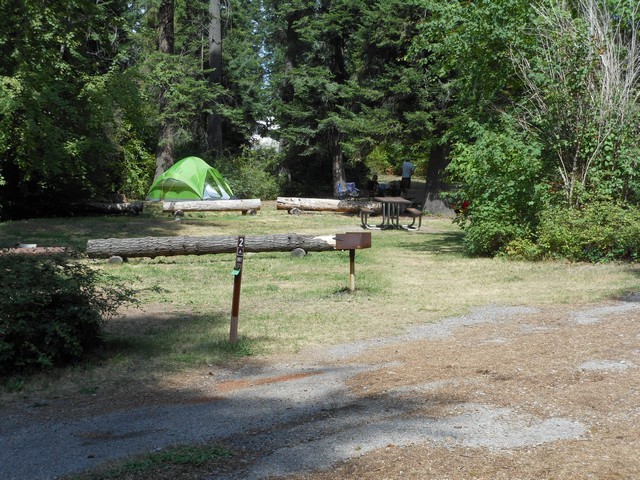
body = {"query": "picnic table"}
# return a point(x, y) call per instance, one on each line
point(391, 207)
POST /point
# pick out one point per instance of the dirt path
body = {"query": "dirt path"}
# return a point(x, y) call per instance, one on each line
point(504, 392)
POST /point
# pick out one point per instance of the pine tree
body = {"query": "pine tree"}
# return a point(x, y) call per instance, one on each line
point(165, 152)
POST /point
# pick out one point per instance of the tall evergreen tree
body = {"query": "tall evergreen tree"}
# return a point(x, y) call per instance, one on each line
point(165, 153)
point(185, 77)
point(313, 88)
point(350, 94)
point(245, 105)
point(214, 120)
point(390, 116)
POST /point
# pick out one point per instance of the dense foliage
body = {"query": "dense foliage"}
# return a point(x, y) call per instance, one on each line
point(545, 116)
point(595, 233)
point(532, 105)
point(52, 311)
point(58, 98)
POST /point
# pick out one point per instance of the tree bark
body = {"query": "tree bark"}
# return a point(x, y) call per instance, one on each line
point(329, 204)
point(339, 70)
point(214, 120)
point(435, 182)
point(166, 138)
point(337, 161)
point(172, 246)
point(291, 38)
point(213, 205)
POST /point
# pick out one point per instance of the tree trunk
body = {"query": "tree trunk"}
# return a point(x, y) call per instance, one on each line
point(165, 150)
point(292, 42)
point(171, 246)
point(435, 183)
point(337, 161)
point(290, 58)
point(339, 71)
point(328, 204)
point(214, 120)
point(213, 205)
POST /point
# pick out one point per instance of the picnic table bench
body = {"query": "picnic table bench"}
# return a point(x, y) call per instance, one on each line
point(414, 213)
point(391, 215)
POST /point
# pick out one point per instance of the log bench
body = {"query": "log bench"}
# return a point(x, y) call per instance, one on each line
point(152, 247)
point(245, 206)
point(414, 213)
point(33, 251)
point(325, 204)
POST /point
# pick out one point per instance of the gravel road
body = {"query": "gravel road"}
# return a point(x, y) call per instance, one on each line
point(302, 416)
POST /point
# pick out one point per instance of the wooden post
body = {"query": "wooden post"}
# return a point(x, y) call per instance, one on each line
point(352, 270)
point(237, 281)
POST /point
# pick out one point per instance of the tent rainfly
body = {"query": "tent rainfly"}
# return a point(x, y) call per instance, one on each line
point(190, 179)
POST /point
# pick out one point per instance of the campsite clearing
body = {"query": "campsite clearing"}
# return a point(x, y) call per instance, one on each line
point(172, 353)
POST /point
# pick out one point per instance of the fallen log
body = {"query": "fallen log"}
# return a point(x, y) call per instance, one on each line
point(33, 251)
point(125, 208)
point(327, 204)
point(244, 205)
point(171, 246)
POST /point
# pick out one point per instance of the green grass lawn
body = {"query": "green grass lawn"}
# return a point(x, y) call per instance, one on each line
point(288, 304)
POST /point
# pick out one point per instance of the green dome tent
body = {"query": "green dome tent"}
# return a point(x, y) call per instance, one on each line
point(190, 179)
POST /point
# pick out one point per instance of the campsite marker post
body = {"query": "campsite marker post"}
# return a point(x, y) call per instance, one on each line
point(237, 280)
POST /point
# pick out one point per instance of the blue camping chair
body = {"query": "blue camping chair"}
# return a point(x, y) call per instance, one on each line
point(348, 191)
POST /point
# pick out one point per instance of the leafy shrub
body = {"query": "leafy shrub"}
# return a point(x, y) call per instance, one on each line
point(499, 175)
point(523, 249)
point(52, 310)
point(598, 232)
point(378, 160)
point(490, 235)
point(252, 174)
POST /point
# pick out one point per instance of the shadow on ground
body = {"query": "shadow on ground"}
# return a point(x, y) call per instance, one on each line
point(440, 243)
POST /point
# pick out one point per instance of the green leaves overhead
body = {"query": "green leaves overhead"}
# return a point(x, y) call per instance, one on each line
point(538, 97)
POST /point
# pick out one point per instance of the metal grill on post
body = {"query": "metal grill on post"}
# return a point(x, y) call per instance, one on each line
point(353, 241)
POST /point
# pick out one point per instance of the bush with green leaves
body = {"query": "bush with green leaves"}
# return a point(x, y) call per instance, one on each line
point(599, 232)
point(52, 310)
point(252, 174)
point(500, 176)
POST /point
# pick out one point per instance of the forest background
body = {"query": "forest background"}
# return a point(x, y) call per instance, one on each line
point(527, 110)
